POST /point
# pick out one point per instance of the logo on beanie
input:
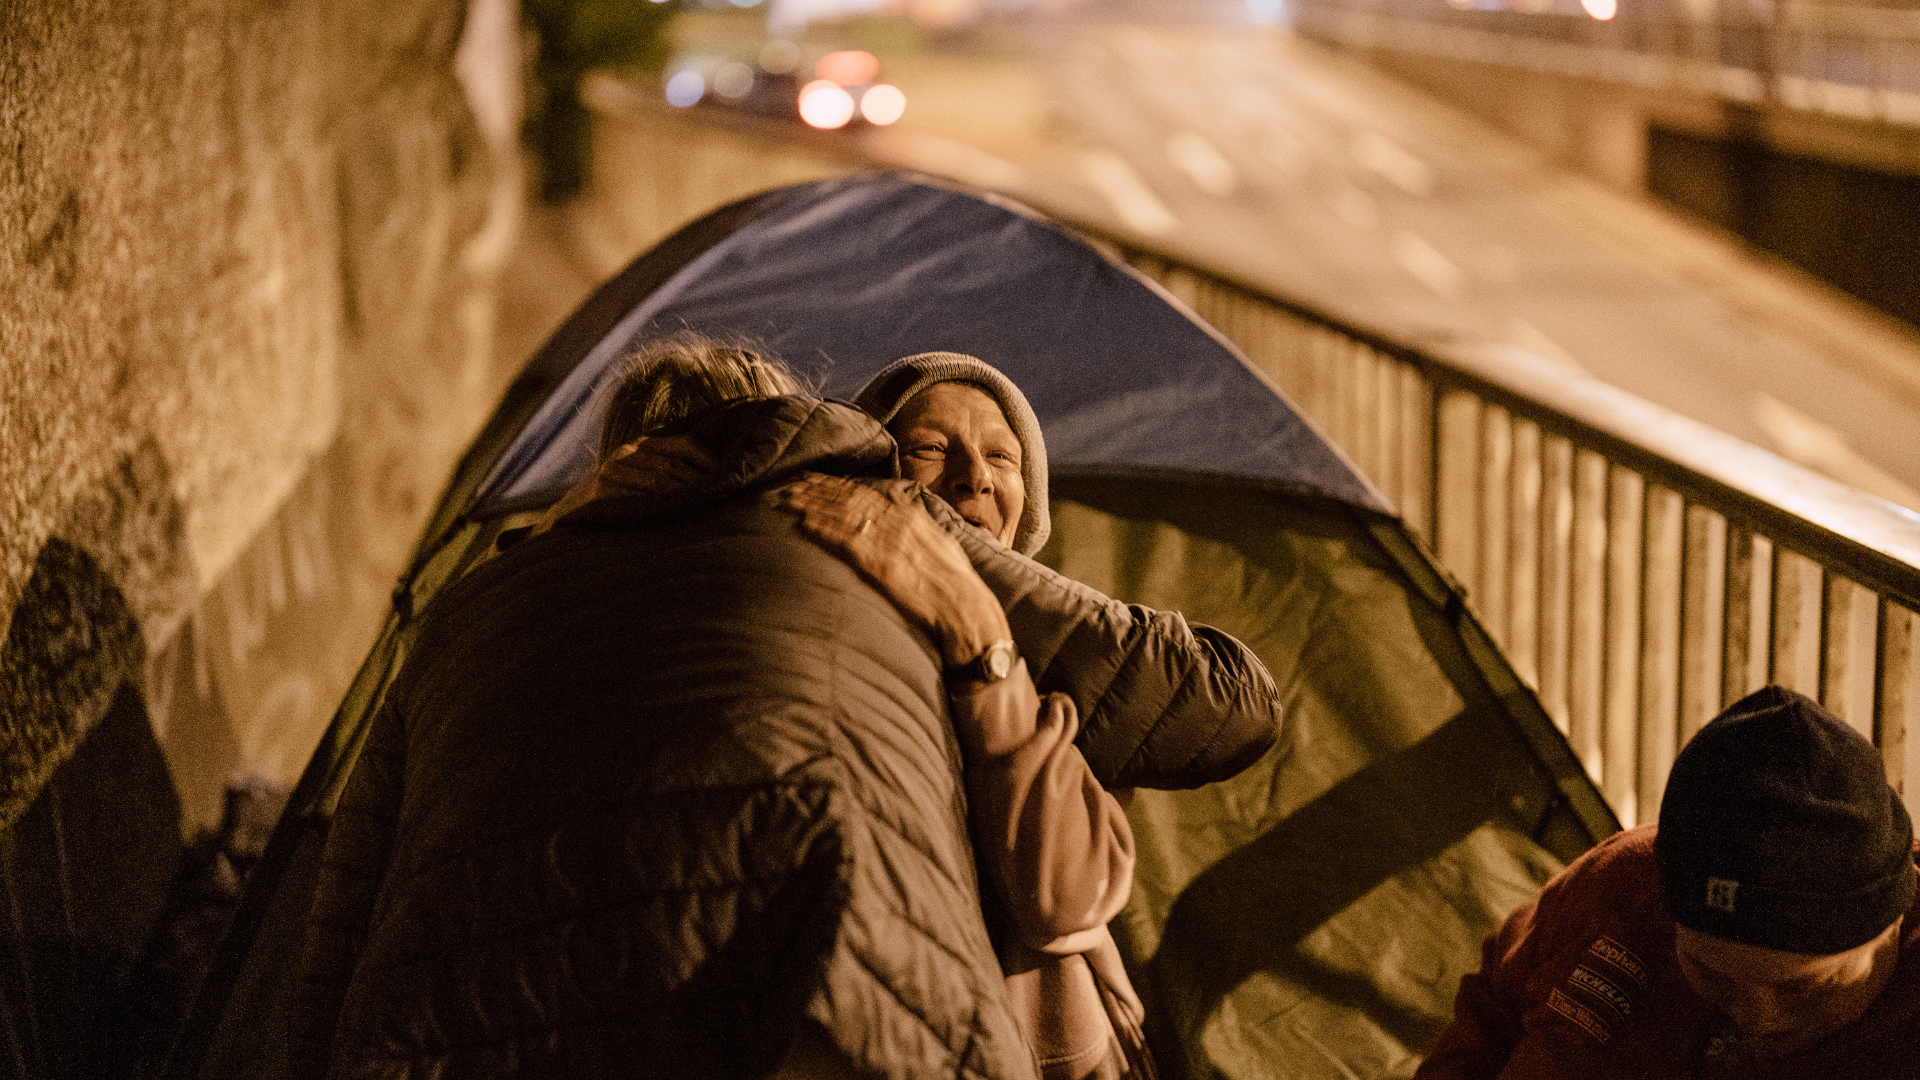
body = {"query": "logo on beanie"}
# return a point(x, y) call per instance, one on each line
point(1720, 893)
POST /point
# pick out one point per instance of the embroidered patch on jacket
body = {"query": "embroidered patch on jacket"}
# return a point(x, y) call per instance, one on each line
point(1620, 957)
point(1720, 893)
point(1601, 988)
point(1588, 1020)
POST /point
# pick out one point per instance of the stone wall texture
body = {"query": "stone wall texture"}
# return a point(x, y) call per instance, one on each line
point(245, 333)
point(247, 249)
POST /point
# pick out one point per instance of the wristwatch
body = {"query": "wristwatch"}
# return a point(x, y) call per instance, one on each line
point(992, 665)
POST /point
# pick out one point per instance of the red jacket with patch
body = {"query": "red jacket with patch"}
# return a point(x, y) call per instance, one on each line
point(1582, 984)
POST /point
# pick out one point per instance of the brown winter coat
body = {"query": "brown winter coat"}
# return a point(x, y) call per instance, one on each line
point(657, 785)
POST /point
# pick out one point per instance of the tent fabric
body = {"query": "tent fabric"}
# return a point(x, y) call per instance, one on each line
point(1308, 918)
point(1312, 916)
point(840, 277)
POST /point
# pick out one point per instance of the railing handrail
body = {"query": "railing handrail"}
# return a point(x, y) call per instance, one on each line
point(1868, 539)
point(1850, 67)
point(1864, 537)
point(1854, 23)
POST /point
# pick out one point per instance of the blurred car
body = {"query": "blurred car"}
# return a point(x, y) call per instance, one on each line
point(836, 90)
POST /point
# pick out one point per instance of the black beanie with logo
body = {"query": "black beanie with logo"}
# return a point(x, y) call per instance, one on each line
point(1778, 829)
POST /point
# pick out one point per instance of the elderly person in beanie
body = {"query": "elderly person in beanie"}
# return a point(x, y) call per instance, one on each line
point(968, 435)
point(1763, 930)
point(1163, 704)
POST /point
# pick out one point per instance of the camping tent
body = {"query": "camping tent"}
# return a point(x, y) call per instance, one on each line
point(1313, 914)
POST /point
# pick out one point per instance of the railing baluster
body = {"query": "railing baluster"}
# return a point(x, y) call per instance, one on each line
point(1458, 496)
point(1846, 652)
point(1417, 419)
point(1317, 396)
point(1556, 574)
point(1660, 621)
point(1893, 690)
point(1523, 554)
point(1738, 621)
point(1346, 424)
point(1386, 424)
point(1496, 463)
point(1749, 601)
point(1366, 409)
point(1587, 601)
point(1797, 596)
point(1621, 701)
point(1703, 611)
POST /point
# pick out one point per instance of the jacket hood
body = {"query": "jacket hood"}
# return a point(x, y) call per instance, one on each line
point(755, 445)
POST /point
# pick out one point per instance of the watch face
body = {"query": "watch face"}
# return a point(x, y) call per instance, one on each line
point(1000, 660)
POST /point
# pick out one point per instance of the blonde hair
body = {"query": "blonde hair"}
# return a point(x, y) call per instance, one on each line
point(669, 379)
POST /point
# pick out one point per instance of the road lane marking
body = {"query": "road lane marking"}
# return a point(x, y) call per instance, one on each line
point(943, 157)
point(1356, 207)
point(1386, 159)
point(1132, 201)
point(1283, 150)
point(1428, 265)
point(1206, 166)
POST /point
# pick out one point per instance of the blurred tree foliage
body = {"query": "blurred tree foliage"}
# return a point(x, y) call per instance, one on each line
point(569, 39)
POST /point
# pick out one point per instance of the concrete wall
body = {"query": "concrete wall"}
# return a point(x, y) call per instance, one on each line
point(248, 251)
point(1600, 128)
point(245, 332)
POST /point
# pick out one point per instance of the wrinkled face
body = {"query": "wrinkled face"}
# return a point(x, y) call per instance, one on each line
point(1781, 1002)
point(954, 439)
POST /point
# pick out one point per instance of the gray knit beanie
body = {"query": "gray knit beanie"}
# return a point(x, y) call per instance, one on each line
point(896, 384)
point(1778, 829)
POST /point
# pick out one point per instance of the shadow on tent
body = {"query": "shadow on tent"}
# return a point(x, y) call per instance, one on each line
point(1313, 914)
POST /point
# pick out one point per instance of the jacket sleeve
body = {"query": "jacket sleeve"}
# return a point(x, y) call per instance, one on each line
point(1162, 704)
point(359, 841)
point(1055, 844)
point(1487, 1011)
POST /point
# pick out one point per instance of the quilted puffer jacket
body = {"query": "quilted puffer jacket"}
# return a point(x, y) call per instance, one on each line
point(1163, 704)
point(661, 783)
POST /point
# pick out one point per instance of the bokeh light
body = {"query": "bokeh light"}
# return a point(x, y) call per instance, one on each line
point(733, 80)
point(850, 67)
point(1600, 9)
point(779, 56)
point(882, 104)
point(825, 104)
point(1266, 12)
point(685, 88)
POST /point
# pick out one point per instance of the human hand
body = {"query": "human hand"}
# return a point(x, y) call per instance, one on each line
point(885, 536)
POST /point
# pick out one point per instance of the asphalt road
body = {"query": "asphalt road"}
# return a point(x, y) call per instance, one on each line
point(1300, 171)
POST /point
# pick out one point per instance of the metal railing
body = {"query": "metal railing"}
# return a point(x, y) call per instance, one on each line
point(1859, 63)
point(1640, 570)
